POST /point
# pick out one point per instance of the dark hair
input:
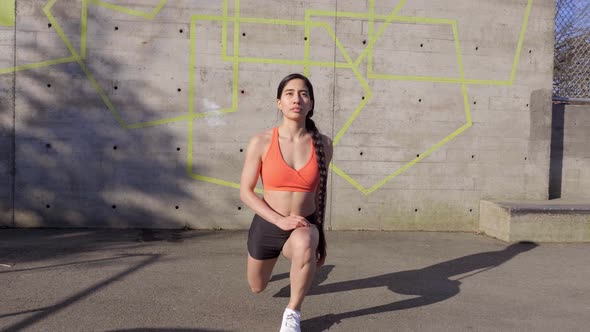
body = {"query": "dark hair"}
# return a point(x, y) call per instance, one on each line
point(319, 153)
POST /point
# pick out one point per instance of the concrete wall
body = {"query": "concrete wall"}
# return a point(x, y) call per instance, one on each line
point(137, 113)
point(570, 153)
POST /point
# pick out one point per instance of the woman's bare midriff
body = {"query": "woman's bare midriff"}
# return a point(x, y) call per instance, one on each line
point(288, 203)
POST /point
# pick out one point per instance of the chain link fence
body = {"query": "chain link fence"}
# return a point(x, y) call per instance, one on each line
point(571, 70)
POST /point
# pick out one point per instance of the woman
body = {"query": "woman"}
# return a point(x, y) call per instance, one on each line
point(292, 160)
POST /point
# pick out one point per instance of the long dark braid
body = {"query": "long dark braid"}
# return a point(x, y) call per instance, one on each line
point(320, 156)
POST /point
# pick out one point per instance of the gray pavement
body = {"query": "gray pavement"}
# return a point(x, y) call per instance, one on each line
point(152, 280)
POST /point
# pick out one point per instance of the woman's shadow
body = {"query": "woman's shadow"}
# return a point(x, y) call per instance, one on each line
point(431, 284)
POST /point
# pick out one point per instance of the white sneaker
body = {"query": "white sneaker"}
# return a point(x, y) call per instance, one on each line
point(291, 321)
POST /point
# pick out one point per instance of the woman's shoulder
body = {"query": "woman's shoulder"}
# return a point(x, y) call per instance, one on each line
point(261, 140)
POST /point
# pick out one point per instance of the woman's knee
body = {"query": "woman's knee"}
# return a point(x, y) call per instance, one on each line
point(257, 288)
point(304, 242)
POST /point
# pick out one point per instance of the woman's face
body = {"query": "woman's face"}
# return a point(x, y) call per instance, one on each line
point(295, 101)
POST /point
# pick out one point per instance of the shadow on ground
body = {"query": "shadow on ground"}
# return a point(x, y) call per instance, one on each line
point(430, 285)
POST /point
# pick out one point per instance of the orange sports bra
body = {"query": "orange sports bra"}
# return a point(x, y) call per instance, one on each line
point(278, 175)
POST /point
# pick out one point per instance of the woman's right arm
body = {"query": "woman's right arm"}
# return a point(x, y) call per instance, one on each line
point(249, 179)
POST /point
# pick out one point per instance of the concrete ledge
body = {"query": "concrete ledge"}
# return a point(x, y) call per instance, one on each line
point(540, 221)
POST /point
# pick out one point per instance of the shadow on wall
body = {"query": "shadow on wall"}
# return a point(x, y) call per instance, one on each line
point(76, 166)
point(556, 155)
point(431, 284)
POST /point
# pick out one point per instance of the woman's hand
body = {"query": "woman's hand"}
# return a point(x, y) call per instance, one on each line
point(291, 222)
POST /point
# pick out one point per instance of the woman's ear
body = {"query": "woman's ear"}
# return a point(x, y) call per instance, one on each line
point(279, 104)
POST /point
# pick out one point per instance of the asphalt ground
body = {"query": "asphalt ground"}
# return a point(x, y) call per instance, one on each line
point(172, 280)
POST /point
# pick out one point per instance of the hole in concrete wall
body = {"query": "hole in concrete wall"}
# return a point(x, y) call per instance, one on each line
point(176, 207)
point(415, 210)
point(359, 209)
point(470, 210)
point(525, 158)
point(420, 100)
point(243, 34)
point(114, 206)
point(304, 38)
point(48, 85)
point(421, 45)
point(476, 48)
point(418, 155)
point(239, 207)
point(364, 42)
point(116, 28)
point(114, 147)
point(178, 149)
point(530, 51)
point(243, 91)
point(472, 156)
point(363, 97)
point(49, 25)
point(181, 31)
point(474, 102)
point(241, 150)
point(361, 153)
point(179, 89)
point(48, 146)
point(527, 105)
point(115, 87)
point(48, 206)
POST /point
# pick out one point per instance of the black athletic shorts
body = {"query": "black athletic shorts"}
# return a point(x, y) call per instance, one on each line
point(266, 240)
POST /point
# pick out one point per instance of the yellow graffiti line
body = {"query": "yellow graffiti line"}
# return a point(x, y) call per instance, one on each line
point(94, 83)
point(159, 122)
point(58, 29)
point(373, 38)
point(307, 44)
point(221, 182)
point(83, 28)
point(191, 90)
point(7, 17)
point(357, 111)
point(458, 51)
point(346, 177)
point(453, 23)
point(423, 155)
point(102, 94)
point(461, 73)
point(236, 52)
point(369, 49)
point(38, 65)
point(129, 11)
point(433, 79)
point(525, 22)
point(370, 33)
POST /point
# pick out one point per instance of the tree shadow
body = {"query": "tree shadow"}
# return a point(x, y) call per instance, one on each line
point(172, 329)
point(430, 285)
point(42, 313)
point(69, 160)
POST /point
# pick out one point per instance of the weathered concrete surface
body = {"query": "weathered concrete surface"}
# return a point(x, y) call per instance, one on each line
point(546, 221)
point(449, 105)
point(131, 280)
point(570, 152)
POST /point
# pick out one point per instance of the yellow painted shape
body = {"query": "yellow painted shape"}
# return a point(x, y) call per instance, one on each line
point(372, 39)
point(236, 59)
point(129, 11)
point(7, 13)
point(80, 57)
point(306, 62)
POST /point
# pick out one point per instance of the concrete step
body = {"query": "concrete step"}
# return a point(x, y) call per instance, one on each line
point(539, 221)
